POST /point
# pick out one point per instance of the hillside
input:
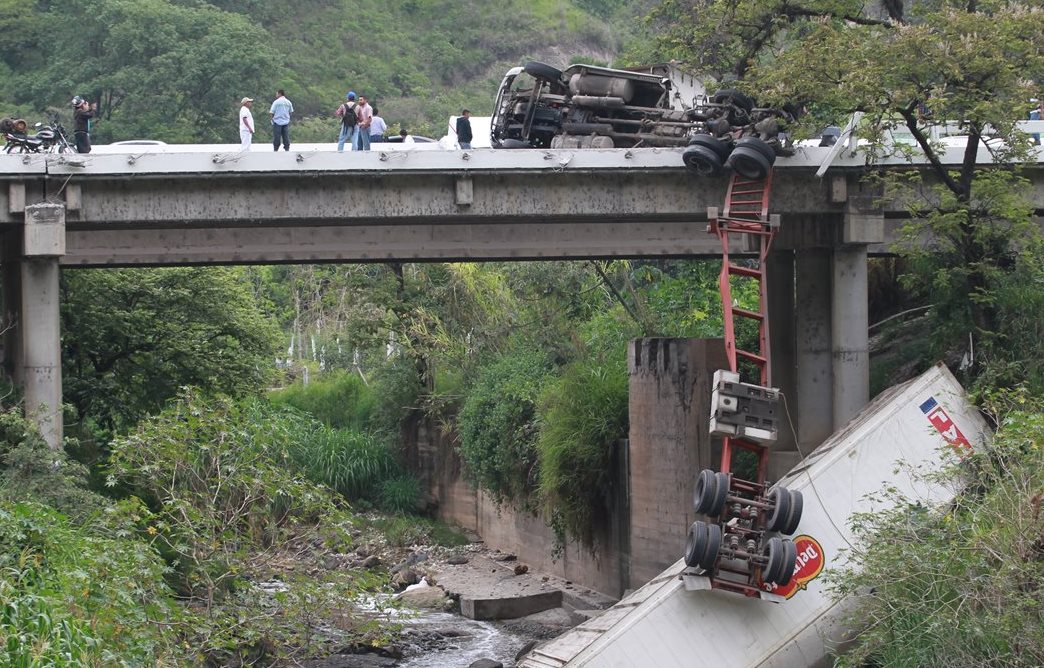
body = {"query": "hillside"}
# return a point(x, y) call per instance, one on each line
point(176, 69)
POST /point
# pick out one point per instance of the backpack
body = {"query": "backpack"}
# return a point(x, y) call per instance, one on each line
point(349, 119)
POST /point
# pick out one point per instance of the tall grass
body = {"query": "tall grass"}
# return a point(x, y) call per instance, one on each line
point(350, 462)
point(339, 399)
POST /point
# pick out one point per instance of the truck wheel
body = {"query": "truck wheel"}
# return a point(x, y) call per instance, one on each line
point(539, 70)
point(602, 142)
point(797, 504)
point(702, 160)
point(512, 143)
point(773, 550)
point(710, 552)
point(721, 148)
point(706, 493)
point(749, 163)
point(760, 145)
point(723, 482)
point(777, 519)
point(789, 562)
point(696, 544)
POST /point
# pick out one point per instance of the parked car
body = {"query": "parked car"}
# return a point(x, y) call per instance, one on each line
point(585, 106)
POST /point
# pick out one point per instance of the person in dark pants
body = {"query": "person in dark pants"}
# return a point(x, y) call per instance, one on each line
point(82, 115)
point(280, 111)
point(464, 135)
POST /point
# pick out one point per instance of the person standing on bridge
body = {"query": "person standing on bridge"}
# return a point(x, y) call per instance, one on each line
point(464, 135)
point(246, 124)
point(349, 122)
point(280, 112)
point(377, 128)
point(83, 112)
point(365, 113)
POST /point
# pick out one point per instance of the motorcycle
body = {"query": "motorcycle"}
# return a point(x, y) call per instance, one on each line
point(49, 138)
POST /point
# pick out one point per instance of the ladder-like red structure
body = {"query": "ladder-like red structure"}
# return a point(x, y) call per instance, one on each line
point(746, 216)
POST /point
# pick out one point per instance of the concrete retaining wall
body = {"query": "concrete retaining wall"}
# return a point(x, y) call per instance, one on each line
point(670, 394)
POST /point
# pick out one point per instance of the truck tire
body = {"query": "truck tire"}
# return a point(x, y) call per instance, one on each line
point(760, 145)
point(702, 160)
point(777, 519)
point(773, 551)
point(749, 163)
point(724, 482)
point(718, 146)
point(789, 563)
point(706, 493)
point(797, 504)
point(539, 70)
point(710, 552)
point(696, 544)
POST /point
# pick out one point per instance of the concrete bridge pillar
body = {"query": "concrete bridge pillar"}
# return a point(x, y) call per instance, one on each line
point(669, 442)
point(813, 356)
point(44, 244)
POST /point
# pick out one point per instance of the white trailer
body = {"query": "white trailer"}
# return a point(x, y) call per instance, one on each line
point(908, 431)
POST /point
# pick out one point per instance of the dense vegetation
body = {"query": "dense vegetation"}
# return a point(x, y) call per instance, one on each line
point(175, 70)
point(189, 483)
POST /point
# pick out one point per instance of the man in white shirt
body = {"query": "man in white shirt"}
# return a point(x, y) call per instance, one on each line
point(377, 128)
point(246, 124)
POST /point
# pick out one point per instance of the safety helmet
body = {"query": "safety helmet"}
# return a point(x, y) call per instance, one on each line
point(77, 101)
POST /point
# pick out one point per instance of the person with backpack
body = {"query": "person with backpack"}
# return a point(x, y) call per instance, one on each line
point(349, 122)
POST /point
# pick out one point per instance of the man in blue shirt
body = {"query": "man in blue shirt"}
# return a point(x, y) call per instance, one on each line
point(280, 111)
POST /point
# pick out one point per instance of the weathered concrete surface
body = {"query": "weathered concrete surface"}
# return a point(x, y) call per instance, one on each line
point(490, 590)
point(670, 388)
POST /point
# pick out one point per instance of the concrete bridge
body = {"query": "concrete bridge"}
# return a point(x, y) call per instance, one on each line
point(160, 206)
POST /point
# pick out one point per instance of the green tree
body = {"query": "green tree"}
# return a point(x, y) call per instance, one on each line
point(132, 337)
point(917, 72)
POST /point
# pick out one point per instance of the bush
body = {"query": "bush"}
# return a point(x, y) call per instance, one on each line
point(399, 495)
point(497, 425)
point(70, 597)
point(349, 462)
point(339, 399)
point(582, 417)
point(225, 507)
point(407, 530)
point(961, 586)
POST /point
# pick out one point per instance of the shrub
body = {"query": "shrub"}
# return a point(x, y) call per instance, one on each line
point(399, 495)
point(582, 416)
point(225, 506)
point(350, 462)
point(72, 597)
point(339, 399)
point(497, 425)
point(406, 530)
point(960, 586)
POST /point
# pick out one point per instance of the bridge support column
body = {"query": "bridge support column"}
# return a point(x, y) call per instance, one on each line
point(812, 329)
point(862, 224)
point(780, 277)
point(11, 277)
point(44, 243)
point(850, 339)
point(669, 442)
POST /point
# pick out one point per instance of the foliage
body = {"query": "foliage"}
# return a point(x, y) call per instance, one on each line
point(31, 471)
point(339, 399)
point(957, 586)
point(399, 495)
point(224, 508)
point(132, 337)
point(407, 530)
point(71, 596)
point(172, 70)
point(583, 415)
point(916, 72)
point(497, 425)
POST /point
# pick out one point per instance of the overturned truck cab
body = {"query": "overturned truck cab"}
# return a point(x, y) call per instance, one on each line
point(585, 106)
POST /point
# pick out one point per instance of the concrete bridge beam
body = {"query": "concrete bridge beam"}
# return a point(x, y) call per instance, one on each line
point(813, 349)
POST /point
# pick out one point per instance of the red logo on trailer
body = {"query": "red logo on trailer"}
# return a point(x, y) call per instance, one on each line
point(807, 567)
point(936, 414)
